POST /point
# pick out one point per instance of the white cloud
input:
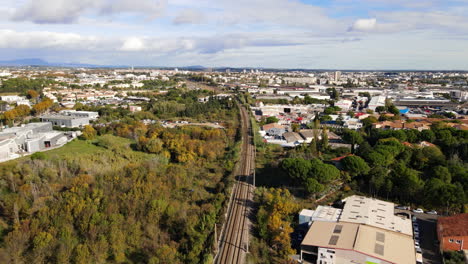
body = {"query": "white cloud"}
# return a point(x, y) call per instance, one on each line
point(189, 16)
point(364, 25)
point(68, 11)
point(10, 39)
point(133, 44)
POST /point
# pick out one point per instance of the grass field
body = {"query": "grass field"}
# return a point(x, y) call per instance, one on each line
point(105, 153)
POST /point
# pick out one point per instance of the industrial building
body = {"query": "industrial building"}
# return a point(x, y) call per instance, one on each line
point(66, 121)
point(377, 213)
point(365, 231)
point(340, 243)
point(30, 138)
point(71, 118)
point(83, 114)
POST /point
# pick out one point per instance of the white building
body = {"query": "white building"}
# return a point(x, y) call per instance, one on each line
point(376, 101)
point(345, 105)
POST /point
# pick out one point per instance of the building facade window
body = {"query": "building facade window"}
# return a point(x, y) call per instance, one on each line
point(451, 240)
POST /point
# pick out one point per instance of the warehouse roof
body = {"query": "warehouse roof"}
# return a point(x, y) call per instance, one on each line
point(371, 241)
point(373, 212)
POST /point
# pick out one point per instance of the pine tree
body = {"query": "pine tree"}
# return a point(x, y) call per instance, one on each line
point(324, 143)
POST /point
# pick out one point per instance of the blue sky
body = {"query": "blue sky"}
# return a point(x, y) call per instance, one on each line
point(334, 34)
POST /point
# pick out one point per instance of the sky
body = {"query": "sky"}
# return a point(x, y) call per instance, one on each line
point(312, 34)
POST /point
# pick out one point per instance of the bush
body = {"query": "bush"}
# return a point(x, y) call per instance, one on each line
point(38, 156)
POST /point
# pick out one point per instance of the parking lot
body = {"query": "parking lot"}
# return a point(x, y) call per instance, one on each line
point(427, 236)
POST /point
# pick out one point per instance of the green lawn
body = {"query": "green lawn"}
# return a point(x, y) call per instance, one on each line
point(76, 147)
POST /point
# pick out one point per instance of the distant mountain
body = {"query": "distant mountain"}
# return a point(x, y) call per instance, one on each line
point(43, 63)
point(25, 62)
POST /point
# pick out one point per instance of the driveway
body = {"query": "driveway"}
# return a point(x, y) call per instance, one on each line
point(427, 237)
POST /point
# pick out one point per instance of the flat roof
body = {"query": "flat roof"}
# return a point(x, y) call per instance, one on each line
point(306, 212)
point(325, 234)
point(326, 213)
point(17, 129)
point(371, 241)
point(387, 245)
point(377, 213)
point(61, 117)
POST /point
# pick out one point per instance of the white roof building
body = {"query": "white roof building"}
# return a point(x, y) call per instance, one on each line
point(376, 101)
point(373, 212)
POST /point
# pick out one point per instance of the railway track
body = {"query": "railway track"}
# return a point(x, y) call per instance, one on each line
point(233, 243)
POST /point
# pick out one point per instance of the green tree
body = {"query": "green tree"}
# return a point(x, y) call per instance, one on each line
point(380, 109)
point(272, 119)
point(296, 168)
point(442, 173)
point(313, 186)
point(355, 165)
point(352, 137)
point(324, 142)
point(323, 173)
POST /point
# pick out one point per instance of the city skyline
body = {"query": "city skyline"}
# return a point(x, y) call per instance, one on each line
point(340, 34)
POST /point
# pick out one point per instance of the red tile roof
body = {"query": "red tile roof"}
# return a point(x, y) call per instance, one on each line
point(342, 157)
point(456, 225)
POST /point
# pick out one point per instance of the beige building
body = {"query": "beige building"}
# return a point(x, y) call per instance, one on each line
point(351, 243)
point(366, 231)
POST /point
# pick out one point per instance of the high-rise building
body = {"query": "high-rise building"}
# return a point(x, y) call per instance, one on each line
point(337, 76)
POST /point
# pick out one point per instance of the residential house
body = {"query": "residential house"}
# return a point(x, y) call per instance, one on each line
point(452, 232)
point(274, 129)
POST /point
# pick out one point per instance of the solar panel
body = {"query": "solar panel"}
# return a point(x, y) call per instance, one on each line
point(333, 240)
point(379, 249)
point(380, 237)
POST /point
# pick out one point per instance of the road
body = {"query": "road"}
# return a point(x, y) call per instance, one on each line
point(428, 237)
point(233, 243)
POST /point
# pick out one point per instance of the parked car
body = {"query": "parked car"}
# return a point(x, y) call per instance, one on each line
point(402, 207)
point(433, 212)
point(418, 210)
point(419, 250)
point(414, 218)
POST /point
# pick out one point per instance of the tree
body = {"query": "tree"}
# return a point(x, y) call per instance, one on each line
point(442, 173)
point(394, 110)
point(368, 121)
point(23, 110)
point(295, 127)
point(325, 118)
point(89, 132)
point(323, 173)
point(406, 181)
point(355, 165)
point(352, 137)
point(32, 94)
point(324, 143)
point(154, 145)
point(313, 186)
point(380, 109)
point(272, 119)
point(296, 168)
point(428, 135)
